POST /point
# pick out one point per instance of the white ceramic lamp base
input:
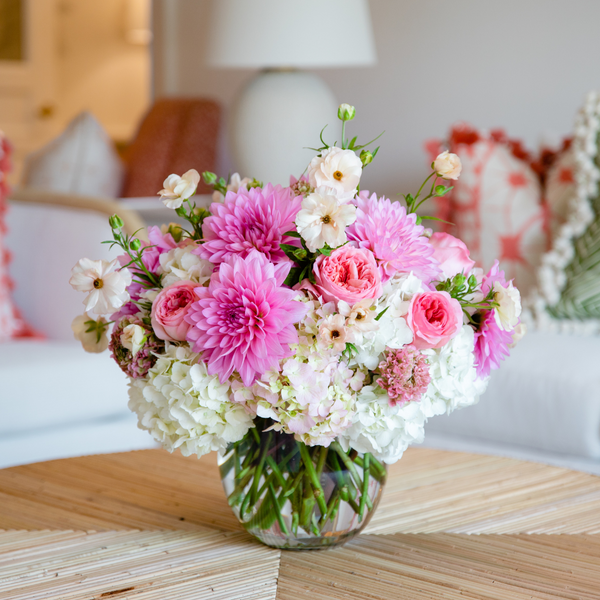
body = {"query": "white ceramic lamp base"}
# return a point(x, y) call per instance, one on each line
point(277, 115)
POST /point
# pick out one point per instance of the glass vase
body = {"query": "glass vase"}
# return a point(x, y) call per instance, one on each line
point(290, 495)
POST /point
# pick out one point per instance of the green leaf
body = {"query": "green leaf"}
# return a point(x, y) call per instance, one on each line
point(288, 248)
point(326, 250)
point(292, 278)
point(352, 142)
point(293, 234)
point(435, 219)
point(381, 313)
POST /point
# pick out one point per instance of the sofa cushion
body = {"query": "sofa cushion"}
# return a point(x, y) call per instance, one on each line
point(547, 396)
point(82, 160)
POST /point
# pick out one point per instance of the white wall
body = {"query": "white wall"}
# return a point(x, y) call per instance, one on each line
point(519, 64)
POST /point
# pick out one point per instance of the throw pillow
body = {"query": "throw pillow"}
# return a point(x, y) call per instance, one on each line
point(11, 323)
point(495, 206)
point(568, 297)
point(82, 160)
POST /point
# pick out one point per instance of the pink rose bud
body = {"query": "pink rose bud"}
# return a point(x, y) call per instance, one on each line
point(452, 255)
point(434, 318)
point(447, 165)
point(349, 274)
point(169, 309)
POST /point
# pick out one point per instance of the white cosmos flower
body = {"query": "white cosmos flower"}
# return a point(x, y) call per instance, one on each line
point(323, 220)
point(333, 331)
point(91, 333)
point(133, 338)
point(337, 169)
point(177, 189)
point(106, 283)
point(509, 299)
point(360, 316)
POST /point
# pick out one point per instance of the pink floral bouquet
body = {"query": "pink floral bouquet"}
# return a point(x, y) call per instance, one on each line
point(317, 318)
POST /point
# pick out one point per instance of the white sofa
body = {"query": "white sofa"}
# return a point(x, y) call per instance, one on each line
point(55, 399)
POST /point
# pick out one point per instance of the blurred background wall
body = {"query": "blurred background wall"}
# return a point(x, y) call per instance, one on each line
point(523, 65)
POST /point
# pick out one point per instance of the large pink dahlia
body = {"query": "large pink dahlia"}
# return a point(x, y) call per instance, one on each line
point(394, 238)
point(244, 320)
point(247, 220)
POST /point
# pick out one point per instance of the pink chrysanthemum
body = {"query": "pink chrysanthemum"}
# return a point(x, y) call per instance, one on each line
point(394, 238)
point(404, 375)
point(247, 220)
point(491, 342)
point(244, 320)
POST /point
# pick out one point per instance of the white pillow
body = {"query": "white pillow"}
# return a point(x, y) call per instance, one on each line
point(82, 160)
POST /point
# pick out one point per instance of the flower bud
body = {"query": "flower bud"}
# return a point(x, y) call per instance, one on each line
point(176, 232)
point(135, 244)
point(346, 112)
point(447, 165)
point(440, 190)
point(209, 178)
point(366, 157)
point(115, 222)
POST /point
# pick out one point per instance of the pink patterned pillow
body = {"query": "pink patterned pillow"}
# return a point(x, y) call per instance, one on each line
point(11, 323)
point(496, 204)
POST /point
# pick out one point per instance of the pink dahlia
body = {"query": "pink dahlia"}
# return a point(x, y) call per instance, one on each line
point(244, 320)
point(491, 342)
point(404, 375)
point(248, 220)
point(394, 238)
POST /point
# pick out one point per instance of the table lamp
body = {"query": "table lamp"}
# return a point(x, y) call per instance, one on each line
point(281, 110)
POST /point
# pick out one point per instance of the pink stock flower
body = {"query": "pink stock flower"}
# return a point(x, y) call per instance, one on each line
point(348, 274)
point(169, 309)
point(244, 320)
point(452, 254)
point(394, 238)
point(249, 220)
point(404, 375)
point(434, 318)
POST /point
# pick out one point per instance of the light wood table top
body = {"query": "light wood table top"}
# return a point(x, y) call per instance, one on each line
point(149, 525)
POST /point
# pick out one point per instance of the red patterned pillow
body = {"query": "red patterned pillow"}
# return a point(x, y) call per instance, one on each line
point(496, 205)
point(11, 323)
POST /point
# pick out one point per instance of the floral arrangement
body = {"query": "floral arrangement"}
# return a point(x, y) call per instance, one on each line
point(317, 310)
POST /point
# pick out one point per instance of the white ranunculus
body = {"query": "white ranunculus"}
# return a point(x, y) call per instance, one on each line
point(92, 333)
point(177, 189)
point(106, 283)
point(337, 169)
point(323, 220)
point(133, 338)
point(181, 264)
point(509, 310)
point(184, 407)
point(447, 165)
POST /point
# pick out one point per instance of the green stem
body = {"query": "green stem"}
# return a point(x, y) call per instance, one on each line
point(365, 487)
point(275, 502)
point(319, 495)
point(352, 469)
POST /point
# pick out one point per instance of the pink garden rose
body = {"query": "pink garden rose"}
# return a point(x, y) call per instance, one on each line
point(349, 274)
point(169, 309)
point(452, 254)
point(434, 318)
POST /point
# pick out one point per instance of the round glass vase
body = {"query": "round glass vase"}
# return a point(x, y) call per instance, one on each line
point(290, 495)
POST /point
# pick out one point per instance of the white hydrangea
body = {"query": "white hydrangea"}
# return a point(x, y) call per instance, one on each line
point(454, 381)
point(184, 407)
point(181, 264)
point(383, 430)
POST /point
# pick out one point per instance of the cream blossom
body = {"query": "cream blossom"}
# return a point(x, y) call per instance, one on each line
point(337, 169)
point(509, 310)
point(236, 183)
point(333, 331)
point(323, 220)
point(177, 189)
point(91, 333)
point(518, 334)
point(447, 165)
point(106, 283)
point(181, 264)
point(359, 316)
point(133, 338)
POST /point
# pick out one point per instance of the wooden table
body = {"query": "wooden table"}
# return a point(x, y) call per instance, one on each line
point(149, 525)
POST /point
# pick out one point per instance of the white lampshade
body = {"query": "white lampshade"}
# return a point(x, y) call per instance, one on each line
point(290, 33)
